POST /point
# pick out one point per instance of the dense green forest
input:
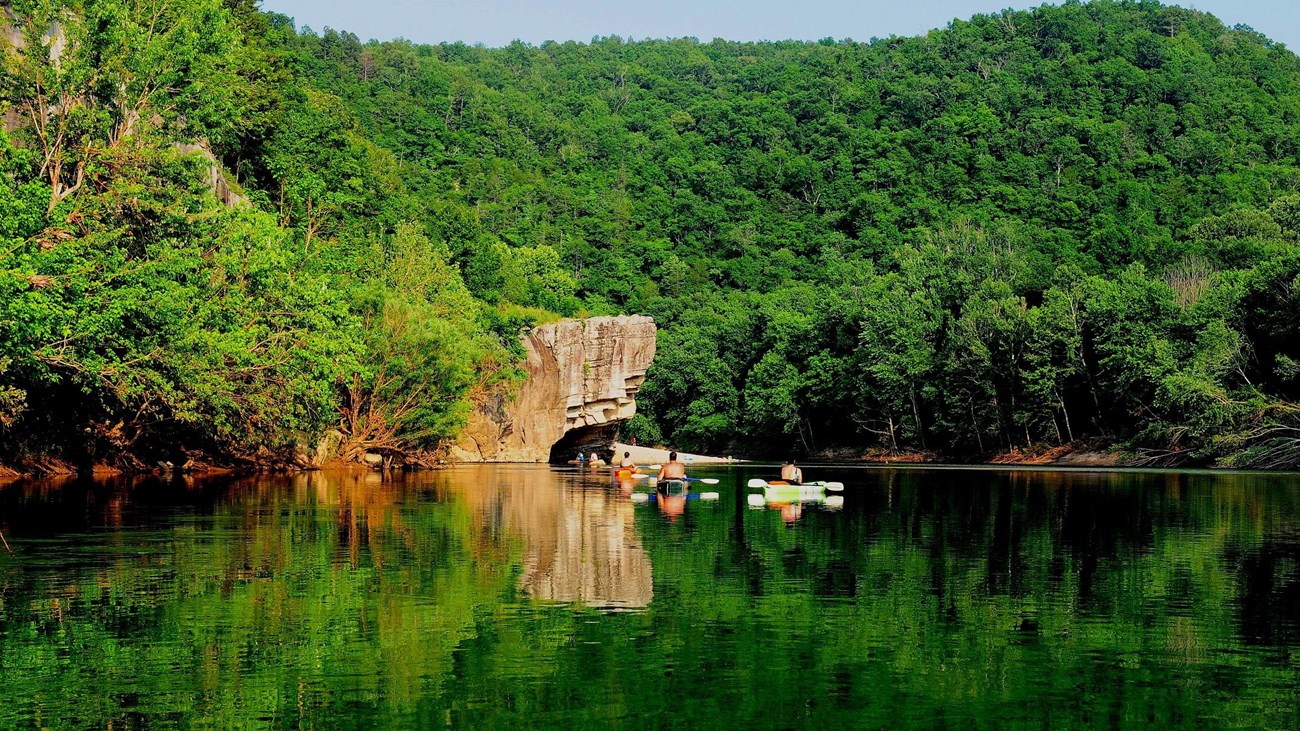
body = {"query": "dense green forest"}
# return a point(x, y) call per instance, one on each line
point(1072, 223)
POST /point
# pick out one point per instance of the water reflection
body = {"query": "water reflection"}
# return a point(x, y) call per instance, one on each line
point(479, 597)
point(579, 532)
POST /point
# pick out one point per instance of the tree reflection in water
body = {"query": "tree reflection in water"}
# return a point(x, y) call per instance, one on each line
point(481, 597)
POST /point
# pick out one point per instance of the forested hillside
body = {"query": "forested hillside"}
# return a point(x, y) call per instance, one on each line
point(142, 320)
point(1036, 227)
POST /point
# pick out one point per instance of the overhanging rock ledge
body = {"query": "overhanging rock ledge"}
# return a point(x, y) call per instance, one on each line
point(582, 378)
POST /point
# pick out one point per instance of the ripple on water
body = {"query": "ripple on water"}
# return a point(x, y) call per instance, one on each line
point(490, 597)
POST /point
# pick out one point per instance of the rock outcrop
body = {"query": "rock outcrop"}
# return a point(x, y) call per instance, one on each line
point(582, 378)
point(11, 36)
point(215, 178)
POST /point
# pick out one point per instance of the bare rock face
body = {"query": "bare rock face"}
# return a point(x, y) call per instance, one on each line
point(10, 36)
point(216, 177)
point(582, 374)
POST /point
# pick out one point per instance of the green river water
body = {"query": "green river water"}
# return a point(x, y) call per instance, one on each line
point(511, 596)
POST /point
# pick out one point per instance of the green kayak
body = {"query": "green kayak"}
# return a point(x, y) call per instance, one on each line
point(794, 493)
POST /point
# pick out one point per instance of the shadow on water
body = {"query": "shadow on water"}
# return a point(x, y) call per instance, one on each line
point(500, 596)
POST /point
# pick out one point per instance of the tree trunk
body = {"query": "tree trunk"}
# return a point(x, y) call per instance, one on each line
point(1064, 412)
point(916, 413)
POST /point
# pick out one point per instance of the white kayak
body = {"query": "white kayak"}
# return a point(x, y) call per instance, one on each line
point(761, 501)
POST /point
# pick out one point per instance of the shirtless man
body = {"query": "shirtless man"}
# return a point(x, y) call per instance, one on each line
point(791, 474)
point(672, 470)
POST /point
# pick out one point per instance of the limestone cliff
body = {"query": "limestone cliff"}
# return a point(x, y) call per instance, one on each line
point(582, 378)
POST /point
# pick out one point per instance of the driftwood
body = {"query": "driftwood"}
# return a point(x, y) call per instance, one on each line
point(1275, 447)
point(1160, 458)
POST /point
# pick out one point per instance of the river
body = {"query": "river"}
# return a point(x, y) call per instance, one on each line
point(521, 596)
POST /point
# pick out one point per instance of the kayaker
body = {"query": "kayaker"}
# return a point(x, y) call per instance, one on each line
point(791, 474)
point(627, 462)
point(672, 469)
point(672, 498)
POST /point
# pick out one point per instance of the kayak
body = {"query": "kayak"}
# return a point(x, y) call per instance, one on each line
point(706, 480)
point(626, 473)
point(832, 486)
point(649, 497)
point(761, 501)
point(673, 488)
point(785, 492)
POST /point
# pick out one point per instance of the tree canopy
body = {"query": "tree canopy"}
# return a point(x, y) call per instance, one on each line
point(1032, 227)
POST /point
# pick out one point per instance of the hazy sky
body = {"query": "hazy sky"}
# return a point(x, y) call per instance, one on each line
point(497, 22)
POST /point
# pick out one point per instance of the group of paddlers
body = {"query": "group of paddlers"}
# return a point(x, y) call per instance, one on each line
point(675, 470)
point(670, 470)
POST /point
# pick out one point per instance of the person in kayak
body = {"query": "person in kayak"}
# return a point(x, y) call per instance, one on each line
point(791, 474)
point(627, 462)
point(672, 469)
point(672, 499)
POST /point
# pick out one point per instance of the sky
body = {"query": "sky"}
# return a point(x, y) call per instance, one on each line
point(498, 22)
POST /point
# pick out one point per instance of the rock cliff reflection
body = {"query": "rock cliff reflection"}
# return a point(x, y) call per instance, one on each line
point(492, 597)
point(579, 531)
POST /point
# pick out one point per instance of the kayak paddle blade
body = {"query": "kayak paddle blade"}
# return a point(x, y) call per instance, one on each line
point(756, 500)
point(835, 486)
point(709, 496)
point(757, 483)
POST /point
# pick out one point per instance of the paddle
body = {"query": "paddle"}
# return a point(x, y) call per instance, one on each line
point(833, 486)
point(645, 497)
point(705, 480)
point(2, 540)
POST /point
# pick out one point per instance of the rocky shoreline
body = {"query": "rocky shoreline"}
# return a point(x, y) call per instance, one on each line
point(1080, 454)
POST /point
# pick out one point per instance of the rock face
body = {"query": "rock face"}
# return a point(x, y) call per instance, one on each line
point(583, 376)
point(216, 176)
point(10, 35)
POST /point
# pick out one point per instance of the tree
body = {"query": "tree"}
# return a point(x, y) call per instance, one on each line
point(88, 77)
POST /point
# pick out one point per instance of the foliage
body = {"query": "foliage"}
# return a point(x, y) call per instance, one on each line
point(1027, 228)
point(140, 319)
